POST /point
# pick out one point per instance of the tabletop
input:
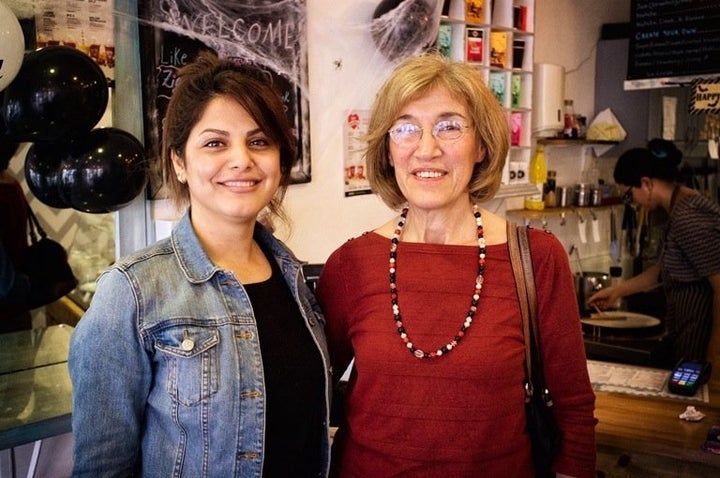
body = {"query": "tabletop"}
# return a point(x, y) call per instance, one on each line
point(652, 425)
point(35, 388)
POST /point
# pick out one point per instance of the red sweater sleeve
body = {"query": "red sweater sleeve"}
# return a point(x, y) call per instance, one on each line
point(332, 294)
point(563, 353)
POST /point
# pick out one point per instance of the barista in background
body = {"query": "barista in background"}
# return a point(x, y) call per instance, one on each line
point(688, 266)
point(14, 285)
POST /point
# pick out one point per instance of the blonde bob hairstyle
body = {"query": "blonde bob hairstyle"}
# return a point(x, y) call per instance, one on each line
point(415, 77)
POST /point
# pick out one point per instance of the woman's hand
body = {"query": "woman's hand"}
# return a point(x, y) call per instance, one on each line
point(605, 298)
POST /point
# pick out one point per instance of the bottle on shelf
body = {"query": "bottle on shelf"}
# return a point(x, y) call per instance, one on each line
point(537, 175)
point(570, 128)
point(549, 196)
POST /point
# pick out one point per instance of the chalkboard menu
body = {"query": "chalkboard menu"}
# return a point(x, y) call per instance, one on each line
point(674, 38)
point(269, 34)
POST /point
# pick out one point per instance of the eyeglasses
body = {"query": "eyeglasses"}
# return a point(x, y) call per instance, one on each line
point(628, 196)
point(409, 134)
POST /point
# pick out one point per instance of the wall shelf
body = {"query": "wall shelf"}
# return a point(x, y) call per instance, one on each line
point(559, 211)
point(515, 190)
point(574, 142)
point(497, 39)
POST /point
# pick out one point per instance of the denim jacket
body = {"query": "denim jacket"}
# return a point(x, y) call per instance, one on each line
point(166, 366)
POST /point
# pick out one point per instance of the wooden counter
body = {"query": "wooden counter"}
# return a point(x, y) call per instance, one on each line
point(35, 388)
point(64, 311)
point(651, 426)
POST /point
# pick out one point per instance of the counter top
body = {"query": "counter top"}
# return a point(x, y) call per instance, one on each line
point(35, 388)
point(64, 311)
point(651, 425)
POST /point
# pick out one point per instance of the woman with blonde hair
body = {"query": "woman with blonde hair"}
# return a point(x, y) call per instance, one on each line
point(427, 306)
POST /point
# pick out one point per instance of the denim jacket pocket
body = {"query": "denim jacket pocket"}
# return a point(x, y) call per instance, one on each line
point(190, 356)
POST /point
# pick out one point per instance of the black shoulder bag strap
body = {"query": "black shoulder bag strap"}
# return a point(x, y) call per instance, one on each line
point(35, 229)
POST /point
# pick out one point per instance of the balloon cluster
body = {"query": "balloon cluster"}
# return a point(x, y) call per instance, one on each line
point(54, 99)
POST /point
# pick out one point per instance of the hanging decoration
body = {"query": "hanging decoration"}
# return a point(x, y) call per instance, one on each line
point(402, 28)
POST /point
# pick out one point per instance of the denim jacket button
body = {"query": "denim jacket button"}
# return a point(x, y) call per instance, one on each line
point(187, 345)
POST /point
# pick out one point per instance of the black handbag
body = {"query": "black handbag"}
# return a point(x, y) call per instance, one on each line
point(46, 264)
point(545, 435)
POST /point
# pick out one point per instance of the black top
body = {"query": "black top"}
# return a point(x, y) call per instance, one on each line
point(688, 256)
point(294, 380)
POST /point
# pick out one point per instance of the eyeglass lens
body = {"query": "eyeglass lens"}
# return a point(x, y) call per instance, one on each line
point(410, 133)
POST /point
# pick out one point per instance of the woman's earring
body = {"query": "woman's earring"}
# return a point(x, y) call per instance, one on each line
point(181, 179)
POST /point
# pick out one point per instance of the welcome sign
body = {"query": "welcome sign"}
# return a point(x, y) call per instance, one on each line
point(270, 34)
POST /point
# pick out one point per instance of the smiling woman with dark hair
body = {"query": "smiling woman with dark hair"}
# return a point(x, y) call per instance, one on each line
point(688, 266)
point(204, 354)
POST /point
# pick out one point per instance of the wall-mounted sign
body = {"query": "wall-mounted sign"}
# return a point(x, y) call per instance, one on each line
point(705, 96)
point(270, 34)
point(355, 128)
point(672, 41)
point(83, 24)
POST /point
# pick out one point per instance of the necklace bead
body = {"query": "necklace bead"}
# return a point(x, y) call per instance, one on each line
point(397, 317)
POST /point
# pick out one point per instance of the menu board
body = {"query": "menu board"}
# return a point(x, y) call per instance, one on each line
point(86, 25)
point(674, 38)
point(269, 34)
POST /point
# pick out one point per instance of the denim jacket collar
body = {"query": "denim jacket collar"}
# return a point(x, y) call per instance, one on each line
point(198, 267)
point(194, 262)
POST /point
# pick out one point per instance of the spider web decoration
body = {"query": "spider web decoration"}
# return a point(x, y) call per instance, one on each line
point(270, 34)
point(403, 28)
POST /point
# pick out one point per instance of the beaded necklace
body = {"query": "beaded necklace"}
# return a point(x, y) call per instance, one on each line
point(419, 353)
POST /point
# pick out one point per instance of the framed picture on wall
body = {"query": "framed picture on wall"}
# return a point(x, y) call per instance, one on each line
point(265, 33)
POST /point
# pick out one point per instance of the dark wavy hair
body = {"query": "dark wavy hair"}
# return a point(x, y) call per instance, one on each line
point(660, 160)
point(209, 77)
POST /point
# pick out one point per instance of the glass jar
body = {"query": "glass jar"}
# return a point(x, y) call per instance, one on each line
point(582, 194)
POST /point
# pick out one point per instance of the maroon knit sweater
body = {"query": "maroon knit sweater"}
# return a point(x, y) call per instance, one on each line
point(462, 414)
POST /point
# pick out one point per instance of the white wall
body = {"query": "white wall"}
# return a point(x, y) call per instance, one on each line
point(566, 33)
point(338, 31)
point(322, 217)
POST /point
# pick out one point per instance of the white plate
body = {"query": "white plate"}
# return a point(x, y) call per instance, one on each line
point(631, 321)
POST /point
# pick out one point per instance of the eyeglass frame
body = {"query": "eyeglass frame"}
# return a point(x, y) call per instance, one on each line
point(434, 132)
point(627, 196)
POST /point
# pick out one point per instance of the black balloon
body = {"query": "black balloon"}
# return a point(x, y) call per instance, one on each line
point(59, 92)
point(42, 172)
point(104, 171)
point(401, 28)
